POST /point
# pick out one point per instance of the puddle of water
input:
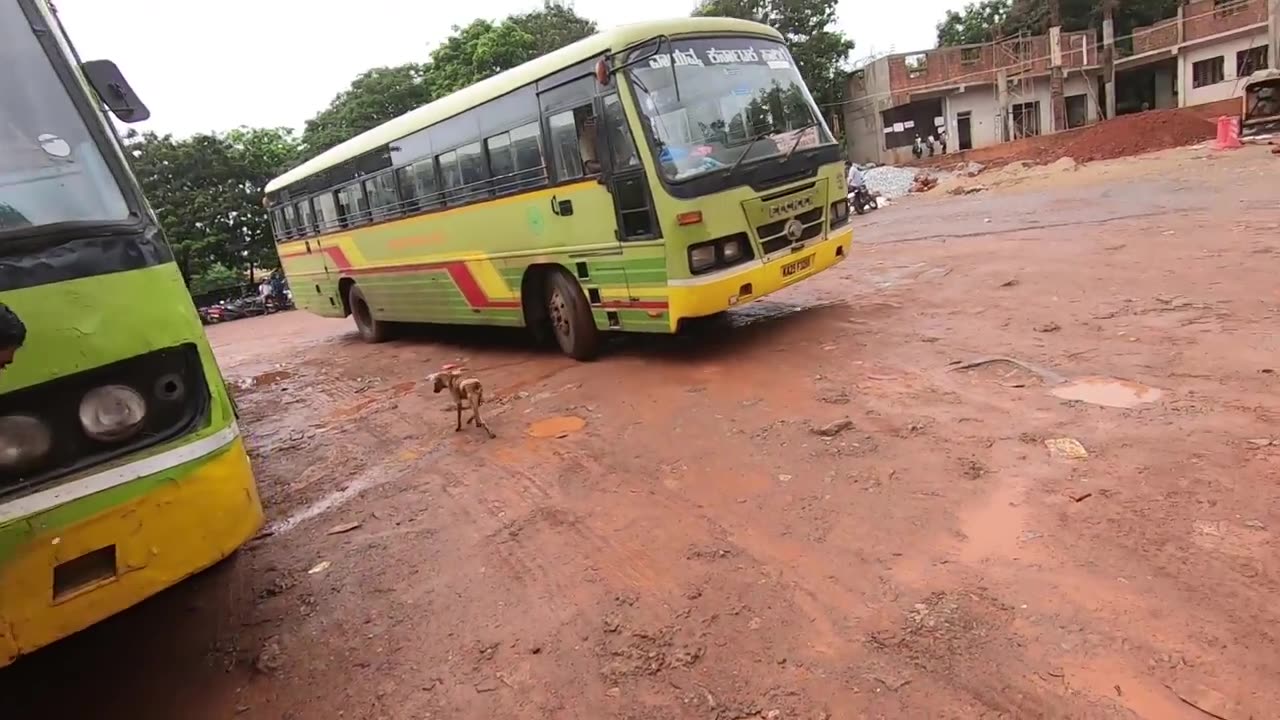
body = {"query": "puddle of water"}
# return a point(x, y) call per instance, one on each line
point(1108, 392)
point(995, 527)
point(556, 426)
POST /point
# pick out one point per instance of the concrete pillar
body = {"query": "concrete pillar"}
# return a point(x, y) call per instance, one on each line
point(1109, 61)
point(1002, 104)
point(1274, 28)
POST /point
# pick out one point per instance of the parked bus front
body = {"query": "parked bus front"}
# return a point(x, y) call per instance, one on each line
point(122, 470)
point(744, 164)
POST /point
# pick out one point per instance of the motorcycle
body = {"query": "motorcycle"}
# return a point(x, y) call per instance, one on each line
point(862, 200)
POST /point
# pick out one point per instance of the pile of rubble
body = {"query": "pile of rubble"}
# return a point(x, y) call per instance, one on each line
point(894, 182)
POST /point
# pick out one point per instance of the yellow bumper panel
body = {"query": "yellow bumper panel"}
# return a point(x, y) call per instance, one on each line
point(66, 579)
point(702, 298)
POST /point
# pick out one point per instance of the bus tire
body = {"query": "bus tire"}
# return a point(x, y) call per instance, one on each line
point(371, 329)
point(570, 317)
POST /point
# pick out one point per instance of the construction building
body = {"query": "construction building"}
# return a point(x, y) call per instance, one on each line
point(981, 95)
point(1199, 56)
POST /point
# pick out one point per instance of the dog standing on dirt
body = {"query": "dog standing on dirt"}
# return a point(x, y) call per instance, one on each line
point(461, 389)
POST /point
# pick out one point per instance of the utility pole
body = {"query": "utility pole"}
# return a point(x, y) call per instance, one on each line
point(1056, 95)
point(1109, 55)
point(1273, 26)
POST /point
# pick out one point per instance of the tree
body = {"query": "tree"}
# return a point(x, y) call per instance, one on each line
point(469, 55)
point(983, 21)
point(483, 49)
point(819, 51)
point(374, 97)
point(978, 23)
point(206, 191)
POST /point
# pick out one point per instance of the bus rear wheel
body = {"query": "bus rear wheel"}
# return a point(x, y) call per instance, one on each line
point(371, 329)
point(570, 317)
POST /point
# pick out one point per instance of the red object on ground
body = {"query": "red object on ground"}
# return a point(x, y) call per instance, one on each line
point(1228, 133)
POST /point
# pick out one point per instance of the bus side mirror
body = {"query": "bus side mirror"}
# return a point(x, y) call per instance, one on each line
point(114, 90)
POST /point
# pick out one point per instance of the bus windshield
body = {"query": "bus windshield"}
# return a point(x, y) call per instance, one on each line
point(51, 171)
point(716, 103)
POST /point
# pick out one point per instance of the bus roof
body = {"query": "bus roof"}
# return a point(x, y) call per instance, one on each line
point(504, 82)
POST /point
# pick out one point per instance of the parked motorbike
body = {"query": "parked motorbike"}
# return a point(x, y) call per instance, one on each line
point(862, 200)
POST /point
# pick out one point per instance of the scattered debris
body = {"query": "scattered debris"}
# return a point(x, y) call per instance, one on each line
point(1262, 442)
point(319, 567)
point(613, 692)
point(1066, 447)
point(1011, 282)
point(1065, 164)
point(270, 658)
point(967, 189)
point(833, 429)
point(1045, 374)
point(923, 182)
point(1208, 701)
point(970, 169)
point(1048, 327)
point(487, 685)
point(1077, 496)
point(343, 528)
point(1255, 524)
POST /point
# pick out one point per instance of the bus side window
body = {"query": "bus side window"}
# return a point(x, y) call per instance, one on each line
point(326, 212)
point(418, 185)
point(290, 222)
point(352, 207)
point(304, 217)
point(277, 225)
point(622, 148)
point(573, 143)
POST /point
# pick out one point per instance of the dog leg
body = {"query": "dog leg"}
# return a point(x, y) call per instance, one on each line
point(458, 406)
point(475, 415)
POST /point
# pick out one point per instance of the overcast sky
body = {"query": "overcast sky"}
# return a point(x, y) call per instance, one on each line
point(204, 66)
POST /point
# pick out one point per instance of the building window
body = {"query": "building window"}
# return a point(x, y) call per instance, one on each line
point(1077, 111)
point(1208, 72)
point(1026, 119)
point(1251, 61)
point(970, 55)
point(917, 65)
point(1225, 8)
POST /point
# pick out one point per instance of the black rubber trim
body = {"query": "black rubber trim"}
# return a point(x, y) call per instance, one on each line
point(80, 256)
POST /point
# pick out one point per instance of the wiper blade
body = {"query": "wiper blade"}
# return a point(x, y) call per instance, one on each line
point(755, 139)
point(799, 136)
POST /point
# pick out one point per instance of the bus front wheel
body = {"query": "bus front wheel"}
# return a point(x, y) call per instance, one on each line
point(570, 317)
point(371, 329)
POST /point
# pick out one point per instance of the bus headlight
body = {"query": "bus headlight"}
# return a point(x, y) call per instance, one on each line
point(702, 257)
point(24, 440)
point(112, 413)
point(839, 212)
point(731, 250)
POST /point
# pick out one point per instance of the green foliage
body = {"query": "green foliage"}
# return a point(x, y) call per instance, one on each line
point(471, 54)
point(984, 21)
point(820, 51)
point(214, 277)
point(206, 191)
point(374, 97)
point(979, 22)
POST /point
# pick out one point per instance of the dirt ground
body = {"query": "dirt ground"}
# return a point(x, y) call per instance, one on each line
point(812, 513)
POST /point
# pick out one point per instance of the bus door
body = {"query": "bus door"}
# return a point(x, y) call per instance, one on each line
point(580, 205)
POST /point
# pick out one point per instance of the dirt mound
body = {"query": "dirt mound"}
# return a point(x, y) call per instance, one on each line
point(1120, 137)
point(1130, 135)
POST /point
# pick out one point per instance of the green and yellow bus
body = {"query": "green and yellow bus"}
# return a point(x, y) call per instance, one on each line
point(631, 181)
point(122, 470)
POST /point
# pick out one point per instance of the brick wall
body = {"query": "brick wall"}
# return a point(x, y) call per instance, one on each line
point(952, 66)
point(1163, 34)
point(1221, 16)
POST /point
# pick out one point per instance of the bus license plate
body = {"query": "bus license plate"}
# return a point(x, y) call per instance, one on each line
point(797, 267)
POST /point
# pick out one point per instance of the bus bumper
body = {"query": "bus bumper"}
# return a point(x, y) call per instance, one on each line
point(700, 297)
point(59, 577)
